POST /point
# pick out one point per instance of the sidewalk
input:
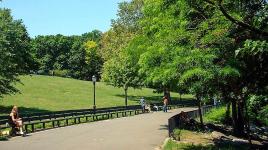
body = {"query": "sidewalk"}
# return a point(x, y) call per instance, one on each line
point(141, 132)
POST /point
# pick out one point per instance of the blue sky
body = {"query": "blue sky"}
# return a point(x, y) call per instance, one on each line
point(67, 17)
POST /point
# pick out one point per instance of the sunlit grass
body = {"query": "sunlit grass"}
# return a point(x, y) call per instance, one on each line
point(47, 93)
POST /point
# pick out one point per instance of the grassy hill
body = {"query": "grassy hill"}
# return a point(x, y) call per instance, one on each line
point(47, 93)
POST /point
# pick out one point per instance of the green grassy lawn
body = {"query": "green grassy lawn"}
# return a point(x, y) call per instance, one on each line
point(47, 93)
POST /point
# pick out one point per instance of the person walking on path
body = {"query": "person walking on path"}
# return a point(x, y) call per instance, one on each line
point(165, 101)
point(142, 102)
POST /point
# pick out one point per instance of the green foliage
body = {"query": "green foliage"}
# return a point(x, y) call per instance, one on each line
point(263, 115)
point(60, 73)
point(258, 109)
point(177, 134)
point(77, 54)
point(194, 45)
point(216, 115)
point(120, 68)
point(253, 48)
point(15, 57)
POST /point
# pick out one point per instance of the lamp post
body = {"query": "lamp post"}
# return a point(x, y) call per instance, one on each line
point(94, 79)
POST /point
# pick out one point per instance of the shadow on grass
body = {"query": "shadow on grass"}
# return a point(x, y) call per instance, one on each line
point(215, 147)
point(182, 146)
point(5, 110)
point(156, 99)
point(151, 99)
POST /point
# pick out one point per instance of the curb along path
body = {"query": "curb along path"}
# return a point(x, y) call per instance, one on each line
point(141, 132)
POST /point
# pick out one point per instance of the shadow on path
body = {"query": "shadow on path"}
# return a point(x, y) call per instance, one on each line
point(163, 127)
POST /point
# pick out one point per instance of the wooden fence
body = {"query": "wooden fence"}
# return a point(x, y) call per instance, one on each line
point(174, 122)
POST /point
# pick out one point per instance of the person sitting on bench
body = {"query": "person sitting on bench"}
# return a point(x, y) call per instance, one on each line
point(148, 107)
point(14, 121)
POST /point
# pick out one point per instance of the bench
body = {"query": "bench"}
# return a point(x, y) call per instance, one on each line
point(40, 121)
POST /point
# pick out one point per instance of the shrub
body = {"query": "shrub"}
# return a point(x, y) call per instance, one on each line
point(263, 115)
point(42, 72)
point(258, 107)
point(177, 134)
point(216, 115)
point(60, 73)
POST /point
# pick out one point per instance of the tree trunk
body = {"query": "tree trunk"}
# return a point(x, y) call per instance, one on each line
point(240, 118)
point(200, 111)
point(248, 123)
point(125, 89)
point(237, 117)
point(234, 115)
point(227, 114)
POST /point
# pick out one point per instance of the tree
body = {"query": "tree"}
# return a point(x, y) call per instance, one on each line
point(124, 28)
point(195, 42)
point(15, 58)
point(68, 55)
point(93, 60)
point(122, 72)
point(120, 68)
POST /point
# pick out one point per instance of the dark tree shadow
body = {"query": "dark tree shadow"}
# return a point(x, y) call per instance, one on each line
point(163, 127)
point(158, 99)
point(214, 147)
point(4, 110)
point(150, 99)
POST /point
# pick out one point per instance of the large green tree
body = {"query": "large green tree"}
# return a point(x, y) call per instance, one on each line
point(15, 57)
point(120, 68)
point(199, 45)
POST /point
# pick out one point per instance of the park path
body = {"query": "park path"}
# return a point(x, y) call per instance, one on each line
point(140, 132)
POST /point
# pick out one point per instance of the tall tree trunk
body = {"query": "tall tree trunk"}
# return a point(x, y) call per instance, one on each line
point(247, 123)
point(228, 112)
point(125, 89)
point(234, 115)
point(237, 117)
point(240, 118)
point(200, 111)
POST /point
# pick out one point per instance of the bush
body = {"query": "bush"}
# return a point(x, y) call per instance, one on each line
point(177, 134)
point(42, 72)
point(60, 73)
point(263, 115)
point(258, 108)
point(216, 115)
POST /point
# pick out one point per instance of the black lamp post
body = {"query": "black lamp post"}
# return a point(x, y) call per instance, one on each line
point(94, 79)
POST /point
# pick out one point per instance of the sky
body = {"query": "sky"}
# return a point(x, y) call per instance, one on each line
point(67, 17)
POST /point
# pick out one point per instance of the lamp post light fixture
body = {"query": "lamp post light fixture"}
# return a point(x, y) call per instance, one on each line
point(94, 79)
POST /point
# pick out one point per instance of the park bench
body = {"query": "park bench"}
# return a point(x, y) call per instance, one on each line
point(45, 120)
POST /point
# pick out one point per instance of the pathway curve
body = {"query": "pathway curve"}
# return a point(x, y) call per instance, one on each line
point(140, 132)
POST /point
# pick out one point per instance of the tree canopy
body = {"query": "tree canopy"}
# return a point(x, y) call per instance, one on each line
point(15, 57)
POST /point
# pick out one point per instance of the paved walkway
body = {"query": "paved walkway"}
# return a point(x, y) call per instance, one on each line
point(140, 132)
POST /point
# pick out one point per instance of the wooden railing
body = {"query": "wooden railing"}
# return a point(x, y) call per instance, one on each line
point(175, 122)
